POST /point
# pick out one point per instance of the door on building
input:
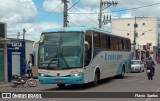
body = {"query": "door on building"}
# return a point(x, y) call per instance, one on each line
point(1, 65)
point(15, 63)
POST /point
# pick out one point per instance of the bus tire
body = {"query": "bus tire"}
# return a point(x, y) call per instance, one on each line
point(61, 85)
point(121, 76)
point(96, 78)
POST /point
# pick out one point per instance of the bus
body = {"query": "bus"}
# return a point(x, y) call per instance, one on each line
point(79, 55)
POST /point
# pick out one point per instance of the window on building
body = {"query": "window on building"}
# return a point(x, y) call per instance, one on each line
point(128, 24)
point(143, 24)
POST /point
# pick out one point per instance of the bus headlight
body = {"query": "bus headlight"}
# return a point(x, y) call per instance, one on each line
point(41, 74)
point(76, 74)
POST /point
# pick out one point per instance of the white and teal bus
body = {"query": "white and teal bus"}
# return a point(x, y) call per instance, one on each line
point(79, 55)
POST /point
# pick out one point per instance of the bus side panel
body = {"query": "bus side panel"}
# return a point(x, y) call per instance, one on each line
point(110, 64)
point(126, 63)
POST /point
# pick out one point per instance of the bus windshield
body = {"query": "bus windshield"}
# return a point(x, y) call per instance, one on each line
point(60, 50)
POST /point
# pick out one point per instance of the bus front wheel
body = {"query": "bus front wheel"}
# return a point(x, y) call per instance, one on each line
point(61, 85)
point(96, 78)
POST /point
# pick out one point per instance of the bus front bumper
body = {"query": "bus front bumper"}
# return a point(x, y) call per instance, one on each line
point(61, 80)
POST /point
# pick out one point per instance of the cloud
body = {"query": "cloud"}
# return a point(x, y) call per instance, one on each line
point(21, 14)
point(91, 3)
point(49, 5)
point(127, 15)
point(149, 11)
point(33, 33)
point(83, 19)
point(17, 11)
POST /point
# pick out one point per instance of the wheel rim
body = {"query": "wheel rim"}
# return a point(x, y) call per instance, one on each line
point(123, 73)
point(96, 79)
point(32, 83)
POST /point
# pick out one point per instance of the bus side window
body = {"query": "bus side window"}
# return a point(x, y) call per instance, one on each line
point(120, 43)
point(88, 47)
point(108, 42)
point(103, 41)
point(118, 47)
point(129, 45)
point(96, 40)
point(116, 43)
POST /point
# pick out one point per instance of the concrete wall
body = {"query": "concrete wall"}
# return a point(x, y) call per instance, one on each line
point(29, 50)
point(123, 27)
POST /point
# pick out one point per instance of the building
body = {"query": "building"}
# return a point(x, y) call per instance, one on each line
point(147, 34)
point(13, 55)
point(19, 52)
point(3, 53)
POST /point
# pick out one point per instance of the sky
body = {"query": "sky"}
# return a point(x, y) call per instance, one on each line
point(38, 15)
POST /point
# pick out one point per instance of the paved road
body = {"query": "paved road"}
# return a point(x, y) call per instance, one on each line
point(133, 82)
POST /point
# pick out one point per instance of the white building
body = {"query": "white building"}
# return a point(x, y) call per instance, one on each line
point(148, 30)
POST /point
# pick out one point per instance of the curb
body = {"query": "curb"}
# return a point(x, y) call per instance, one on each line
point(4, 85)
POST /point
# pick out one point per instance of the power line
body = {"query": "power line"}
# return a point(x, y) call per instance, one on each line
point(122, 9)
point(138, 7)
point(44, 17)
point(72, 23)
point(74, 4)
point(75, 20)
point(85, 15)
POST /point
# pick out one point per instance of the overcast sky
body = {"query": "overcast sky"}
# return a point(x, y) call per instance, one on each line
point(38, 15)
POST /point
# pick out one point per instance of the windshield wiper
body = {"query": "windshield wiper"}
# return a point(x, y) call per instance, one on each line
point(61, 54)
point(53, 58)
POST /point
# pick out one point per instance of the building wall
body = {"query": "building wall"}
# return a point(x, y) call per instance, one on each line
point(29, 50)
point(23, 50)
point(149, 26)
point(32, 57)
point(125, 27)
point(16, 58)
point(3, 53)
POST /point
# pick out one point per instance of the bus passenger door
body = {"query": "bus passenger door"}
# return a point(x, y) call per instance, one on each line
point(88, 43)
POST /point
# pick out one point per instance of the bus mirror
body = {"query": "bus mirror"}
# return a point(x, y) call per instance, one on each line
point(86, 45)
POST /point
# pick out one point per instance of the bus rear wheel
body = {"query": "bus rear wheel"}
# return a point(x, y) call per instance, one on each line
point(121, 76)
point(61, 85)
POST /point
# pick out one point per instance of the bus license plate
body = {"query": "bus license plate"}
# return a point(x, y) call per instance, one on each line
point(58, 81)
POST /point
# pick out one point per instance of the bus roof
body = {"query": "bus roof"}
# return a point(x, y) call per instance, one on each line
point(77, 28)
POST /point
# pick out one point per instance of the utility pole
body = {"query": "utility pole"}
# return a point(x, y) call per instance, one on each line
point(134, 40)
point(18, 35)
point(24, 31)
point(103, 6)
point(65, 13)
point(100, 14)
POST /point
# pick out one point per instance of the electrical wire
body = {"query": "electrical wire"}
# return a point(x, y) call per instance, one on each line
point(122, 9)
point(85, 16)
point(44, 17)
point(75, 20)
point(138, 7)
point(74, 4)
